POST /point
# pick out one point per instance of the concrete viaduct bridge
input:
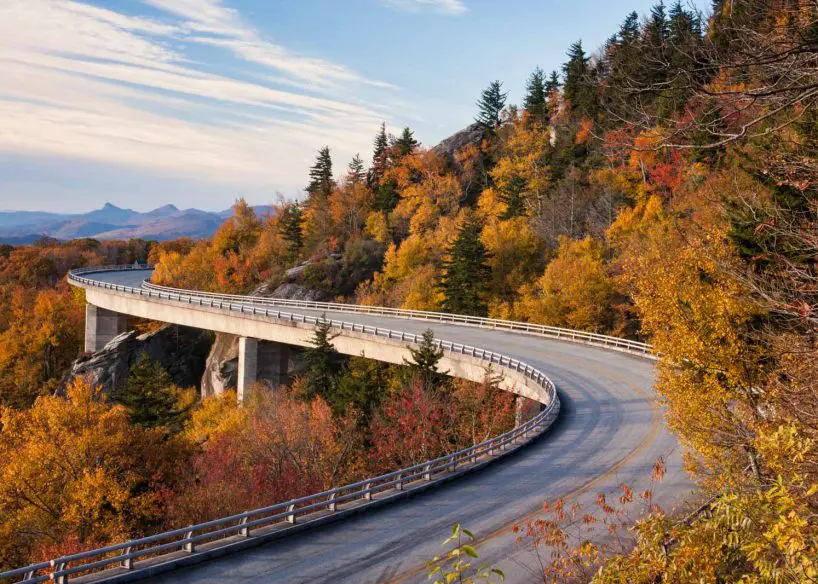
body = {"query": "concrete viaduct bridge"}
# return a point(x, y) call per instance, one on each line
point(599, 427)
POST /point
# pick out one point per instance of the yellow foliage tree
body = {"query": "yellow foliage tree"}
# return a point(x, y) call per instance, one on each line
point(521, 174)
point(575, 291)
point(515, 253)
point(75, 469)
point(428, 192)
point(44, 336)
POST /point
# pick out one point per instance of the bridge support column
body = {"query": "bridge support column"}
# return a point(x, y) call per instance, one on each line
point(248, 367)
point(102, 326)
point(261, 361)
point(519, 408)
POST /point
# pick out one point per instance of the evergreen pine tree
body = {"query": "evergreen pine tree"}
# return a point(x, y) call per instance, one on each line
point(323, 363)
point(536, 97)
point(380, 157)
point(292, 228)
point(491, 104)
point(362, 384)
point(321, 181)
point(149, 397)
point(553, 83)
point(386, 196)
point(657, 29)
point(465, 272)
point(356, 174)
point(424, 361)
point(655, 46)
point(578, 88)
point(406, 144)
point(552, 87)
point(629, 31)
point(513, 195)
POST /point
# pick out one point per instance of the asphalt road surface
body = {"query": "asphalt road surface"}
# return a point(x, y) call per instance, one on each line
point(610, 432)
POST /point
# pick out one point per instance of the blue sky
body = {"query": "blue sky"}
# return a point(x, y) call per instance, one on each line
point(197, 102)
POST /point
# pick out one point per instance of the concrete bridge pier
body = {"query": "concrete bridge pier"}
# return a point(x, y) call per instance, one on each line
point(102, 326)
point(261, 361)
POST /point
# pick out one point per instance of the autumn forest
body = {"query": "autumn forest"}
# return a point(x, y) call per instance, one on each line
point(661, 188)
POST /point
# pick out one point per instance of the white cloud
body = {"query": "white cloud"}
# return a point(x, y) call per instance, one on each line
point(82, 82)
point(454, 7)
point(228, 30)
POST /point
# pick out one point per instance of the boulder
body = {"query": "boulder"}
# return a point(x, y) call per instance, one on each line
point(298, 292)
point(180, 350)
point(469, 136)
point(222, 365)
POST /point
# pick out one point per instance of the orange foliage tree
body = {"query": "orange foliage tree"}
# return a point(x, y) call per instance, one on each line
point(74, 469)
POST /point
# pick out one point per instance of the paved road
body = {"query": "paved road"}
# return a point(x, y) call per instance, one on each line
point(610, 432)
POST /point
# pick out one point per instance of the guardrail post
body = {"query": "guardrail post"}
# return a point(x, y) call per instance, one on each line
point(291, 514)
point(58, 566)
point(427, 472)
point(244, 531)
point(367, 492)
point(189, 546)
point(127, 563)
point(332, 506)
point(399, 484)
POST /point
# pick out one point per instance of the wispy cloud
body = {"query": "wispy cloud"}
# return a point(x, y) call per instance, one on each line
point(213, 23)
point(85, 82)
point(455, 7)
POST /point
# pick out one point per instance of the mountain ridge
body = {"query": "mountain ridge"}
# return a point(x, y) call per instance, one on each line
point(113, 222)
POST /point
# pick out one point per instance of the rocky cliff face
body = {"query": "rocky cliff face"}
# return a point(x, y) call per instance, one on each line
point(180, 350)
point(221, 367)
point(470, 136)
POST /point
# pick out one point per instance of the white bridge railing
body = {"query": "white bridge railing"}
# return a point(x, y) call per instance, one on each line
point(246, 525)
point(607, 341)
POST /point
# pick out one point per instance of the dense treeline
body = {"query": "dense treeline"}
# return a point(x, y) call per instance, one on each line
point(87, 469)
point(662, 187)
point(41, 316)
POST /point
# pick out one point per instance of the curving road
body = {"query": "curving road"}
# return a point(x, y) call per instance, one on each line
point(610, 432)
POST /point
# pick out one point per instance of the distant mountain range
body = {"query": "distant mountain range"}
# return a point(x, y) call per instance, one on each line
point(112, 222)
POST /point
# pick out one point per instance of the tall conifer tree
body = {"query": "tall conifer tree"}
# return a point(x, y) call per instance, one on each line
point(536, 96)
point(513, 195)
point(553, 83)
point(323, 363)
point(465, 272)
point(578, 88)
point(291, 227)
point(424, 362)
point(356, 173)
point(380, 157)
point(407, 143)
point(321, 181)
point(491, 104)
point(149, 397)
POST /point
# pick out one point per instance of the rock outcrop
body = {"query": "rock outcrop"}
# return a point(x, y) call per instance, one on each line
point(222, 365)
point(469, 136)
point(180, 350)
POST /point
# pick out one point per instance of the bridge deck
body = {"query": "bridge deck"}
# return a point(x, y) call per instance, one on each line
point(610, 432)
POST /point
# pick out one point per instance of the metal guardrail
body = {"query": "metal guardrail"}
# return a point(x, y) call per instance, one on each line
point(187, 538)
point(241, 525)
point(610, 342)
